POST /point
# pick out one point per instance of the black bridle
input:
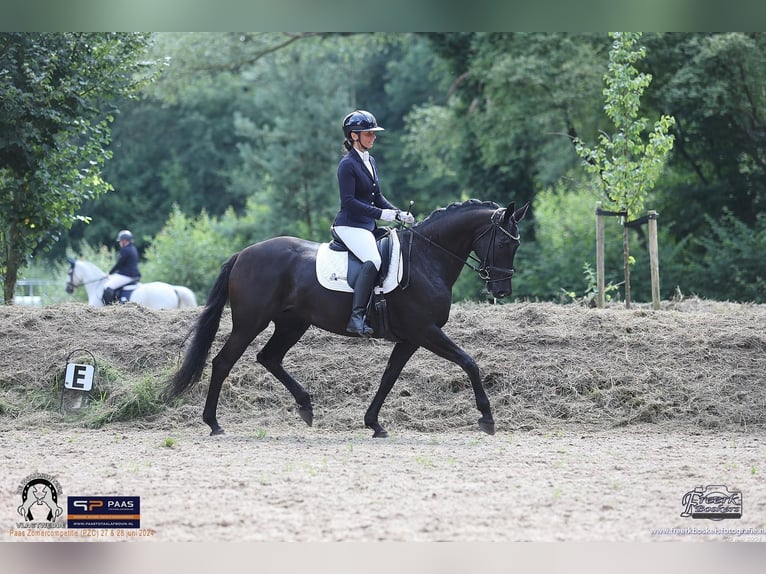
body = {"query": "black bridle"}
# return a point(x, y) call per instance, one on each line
point(70, 286)
point(486, 264)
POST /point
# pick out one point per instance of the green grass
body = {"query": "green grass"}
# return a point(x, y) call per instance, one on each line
point(137, 400)
point(117, 395)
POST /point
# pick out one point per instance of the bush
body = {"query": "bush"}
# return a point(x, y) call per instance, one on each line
point(729, 261)
point(565, 241)
point(187, 252)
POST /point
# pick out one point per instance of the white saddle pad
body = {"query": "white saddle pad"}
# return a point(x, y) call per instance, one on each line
point(332, 268)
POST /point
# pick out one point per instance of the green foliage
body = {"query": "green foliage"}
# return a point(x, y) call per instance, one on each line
point(55, 125)
point(100, 255)
point(565, 241)
point(189, 252)
point(626, 167)
point(730, 262)
point(713, 84)
point(244, 126)
point(537, 89)
point(588, 297)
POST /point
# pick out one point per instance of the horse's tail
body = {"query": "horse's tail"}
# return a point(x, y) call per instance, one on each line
point(204, 331)
point(186, 297)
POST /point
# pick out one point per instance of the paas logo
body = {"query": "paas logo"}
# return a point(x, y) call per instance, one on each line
point(88, 505)
point(40, 494)
point(714, 502)
point(104, 512)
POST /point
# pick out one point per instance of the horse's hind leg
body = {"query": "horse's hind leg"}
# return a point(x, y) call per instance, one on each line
point(287, 331)
point(223, 362)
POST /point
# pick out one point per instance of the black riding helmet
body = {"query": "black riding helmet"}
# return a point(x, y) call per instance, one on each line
point(360, 121)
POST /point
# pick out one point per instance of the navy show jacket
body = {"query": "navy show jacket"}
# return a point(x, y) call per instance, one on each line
point(361, 201)
point(127, 262)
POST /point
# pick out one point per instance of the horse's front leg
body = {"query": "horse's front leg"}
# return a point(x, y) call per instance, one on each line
point(436, 341)
point(399, 357)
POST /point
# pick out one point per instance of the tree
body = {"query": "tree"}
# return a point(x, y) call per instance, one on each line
point(54, 118)
point(712, 85)
point(626, 167)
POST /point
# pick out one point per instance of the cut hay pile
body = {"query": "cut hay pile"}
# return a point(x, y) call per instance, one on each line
point(693, 363)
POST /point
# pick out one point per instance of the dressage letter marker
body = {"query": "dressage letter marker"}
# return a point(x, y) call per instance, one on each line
point(79, 377)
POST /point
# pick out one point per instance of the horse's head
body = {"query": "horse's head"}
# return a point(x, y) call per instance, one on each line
point(497, 247)
point(70, 277)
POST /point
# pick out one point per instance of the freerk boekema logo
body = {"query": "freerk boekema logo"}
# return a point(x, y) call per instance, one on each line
point(714, 502)
point(39, 502)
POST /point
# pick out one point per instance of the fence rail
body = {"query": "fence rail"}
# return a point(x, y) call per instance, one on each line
point(30, 291)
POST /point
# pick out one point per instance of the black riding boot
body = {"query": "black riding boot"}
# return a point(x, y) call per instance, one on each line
point(108, 296)
point(362, 291)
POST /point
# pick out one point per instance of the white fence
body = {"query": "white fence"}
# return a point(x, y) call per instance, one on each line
point(30, 291)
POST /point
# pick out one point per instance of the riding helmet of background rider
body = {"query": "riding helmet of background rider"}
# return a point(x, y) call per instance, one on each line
point(125, 234)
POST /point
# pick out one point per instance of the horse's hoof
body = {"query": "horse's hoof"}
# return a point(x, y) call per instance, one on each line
point(487, 427)
point(216, 431)
point(307, 415)
point(380, 433)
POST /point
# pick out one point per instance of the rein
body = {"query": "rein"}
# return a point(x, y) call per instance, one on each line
point(484, 269)
point(71, 284)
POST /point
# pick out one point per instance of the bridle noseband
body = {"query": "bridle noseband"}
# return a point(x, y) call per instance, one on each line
point(486, 266)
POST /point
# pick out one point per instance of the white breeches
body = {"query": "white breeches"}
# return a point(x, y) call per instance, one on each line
point(117, 280)
point(361, 243)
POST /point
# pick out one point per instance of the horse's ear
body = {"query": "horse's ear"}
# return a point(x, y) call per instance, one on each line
point(509, 211)
point(520, 213)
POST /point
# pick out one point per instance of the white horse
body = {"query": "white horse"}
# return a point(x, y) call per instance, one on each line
point(156, 294)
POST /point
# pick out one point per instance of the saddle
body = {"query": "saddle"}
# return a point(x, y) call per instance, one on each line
point(385, 248)
point(337, 269)
point(124, 293)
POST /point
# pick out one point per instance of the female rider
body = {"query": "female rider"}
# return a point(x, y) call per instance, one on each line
point(361, 204)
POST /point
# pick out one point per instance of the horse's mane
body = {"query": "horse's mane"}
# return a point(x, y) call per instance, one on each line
point(441, 212)
point(90, 265)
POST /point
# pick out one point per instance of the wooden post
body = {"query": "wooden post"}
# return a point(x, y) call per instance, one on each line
point(599, 257)
point(654, 260)
point(626, 259)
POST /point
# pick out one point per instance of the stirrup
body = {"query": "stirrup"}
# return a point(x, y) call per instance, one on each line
point(366, 330)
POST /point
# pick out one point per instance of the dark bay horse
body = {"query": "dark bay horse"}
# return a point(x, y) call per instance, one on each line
point(275, 280)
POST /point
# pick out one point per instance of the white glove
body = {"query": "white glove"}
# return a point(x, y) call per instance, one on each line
point(405, 217)
point(388, 214)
